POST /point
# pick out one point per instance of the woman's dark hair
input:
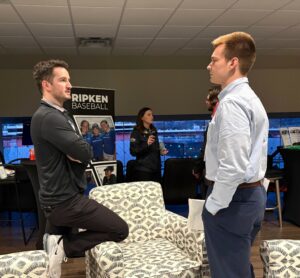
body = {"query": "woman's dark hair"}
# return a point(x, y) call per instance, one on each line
point(139, 122)
point(213, 95)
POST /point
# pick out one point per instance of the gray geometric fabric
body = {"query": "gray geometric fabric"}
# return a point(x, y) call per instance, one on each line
point(25, 264)
point(159, 243)
point(281, 258)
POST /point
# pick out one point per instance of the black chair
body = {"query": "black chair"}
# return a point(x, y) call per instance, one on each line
point(120, 173)
point(130, 168)
point(31, 169)
point(179, 183)
point(17, 196)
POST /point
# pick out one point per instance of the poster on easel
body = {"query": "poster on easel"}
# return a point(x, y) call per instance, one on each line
point(93, 111)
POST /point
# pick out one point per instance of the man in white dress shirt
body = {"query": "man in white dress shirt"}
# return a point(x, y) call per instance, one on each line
point(236, 160)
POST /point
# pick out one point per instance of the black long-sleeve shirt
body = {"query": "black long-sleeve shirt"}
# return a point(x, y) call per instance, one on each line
point(147, 157)
point(54, 135)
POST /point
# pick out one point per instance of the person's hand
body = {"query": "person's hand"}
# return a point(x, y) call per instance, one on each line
point(151, 140)
point(164, 152)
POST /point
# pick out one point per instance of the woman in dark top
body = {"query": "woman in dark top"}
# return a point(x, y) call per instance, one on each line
point(144, 144)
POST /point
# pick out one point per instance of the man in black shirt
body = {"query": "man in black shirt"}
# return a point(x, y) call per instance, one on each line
point(61, 157)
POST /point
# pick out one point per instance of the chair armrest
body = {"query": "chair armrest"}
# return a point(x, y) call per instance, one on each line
point(176, 231)
point(24, 264)
point(281, 258)
point(106, 259)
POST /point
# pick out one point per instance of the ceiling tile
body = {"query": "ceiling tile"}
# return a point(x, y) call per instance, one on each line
point(89, 51)
point(13, 29)
point(194, 52)
point(160, 51)
point(295, 5)
point(240, 17)
point(16, 42)
point(152, 3)
point(93, 30)
point(44, 14)
point(179, 31)
point(281, 18)
point(211, 4)
point(264, 31)
point(146, 16)
point(215, 31)
point(138, 31)
point(51, 30)
point(97, 3)
point(290, 33)
point(60, 50)
point(128, 51)
point(194, 17)
point(40, 2)
point(24, 51)
point(168, 43)
point(8, 15)
point(199, 43)
point(260, 4)
point(101, 16)
point(136, 42)
point(56, 42)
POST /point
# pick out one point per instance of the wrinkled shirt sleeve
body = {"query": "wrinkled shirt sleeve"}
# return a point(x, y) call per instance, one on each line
point(233, 152)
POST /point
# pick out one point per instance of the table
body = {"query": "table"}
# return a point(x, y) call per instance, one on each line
point(291, 157)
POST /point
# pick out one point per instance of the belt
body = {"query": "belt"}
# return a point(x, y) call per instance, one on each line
point(242, 185)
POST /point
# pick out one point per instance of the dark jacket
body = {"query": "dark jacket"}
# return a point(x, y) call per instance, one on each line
point(147, 157)
point(199, 165)
point(54, 135)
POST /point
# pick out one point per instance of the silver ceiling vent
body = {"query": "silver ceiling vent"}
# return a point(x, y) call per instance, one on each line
point(95, 42)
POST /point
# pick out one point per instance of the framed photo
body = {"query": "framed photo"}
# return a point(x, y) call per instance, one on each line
point(106, 173)
point(99, 132)
point(91, 178)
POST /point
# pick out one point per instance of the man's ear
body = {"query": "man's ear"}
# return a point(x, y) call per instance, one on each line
point(234, 62)
point(46, 84)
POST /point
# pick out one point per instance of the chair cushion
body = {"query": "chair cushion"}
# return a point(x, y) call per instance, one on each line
point(24, 264)
point(281, 258)
point(157, 258)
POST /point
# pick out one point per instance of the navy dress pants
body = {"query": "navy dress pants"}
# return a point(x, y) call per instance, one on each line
point(230, 233)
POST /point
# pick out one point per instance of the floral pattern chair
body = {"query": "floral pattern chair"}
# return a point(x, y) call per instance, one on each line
point(281, 258)
point(27, 264)
point(159, 243)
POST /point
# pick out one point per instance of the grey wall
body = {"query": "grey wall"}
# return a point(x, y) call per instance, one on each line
point(167, 91)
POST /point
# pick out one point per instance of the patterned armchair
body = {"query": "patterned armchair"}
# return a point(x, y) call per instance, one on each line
point(25, 264)
point(159, 243)
point(281, 258)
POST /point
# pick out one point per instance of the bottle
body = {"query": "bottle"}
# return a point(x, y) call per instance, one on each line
point(31, 154)
point(3, 174)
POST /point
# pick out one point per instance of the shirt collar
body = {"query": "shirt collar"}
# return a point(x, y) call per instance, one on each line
point(231, 85)
point(61, 109)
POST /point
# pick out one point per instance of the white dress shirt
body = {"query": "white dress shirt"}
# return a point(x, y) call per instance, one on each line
point(237, 140)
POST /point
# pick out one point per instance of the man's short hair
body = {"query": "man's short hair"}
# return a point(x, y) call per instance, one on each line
point(104, 121)
point(43, 70)
point(240, 45)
